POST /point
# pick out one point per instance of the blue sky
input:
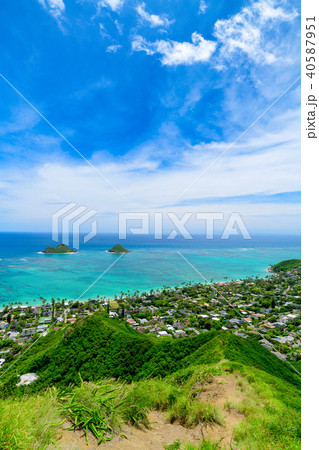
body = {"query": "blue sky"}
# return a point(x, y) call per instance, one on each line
point(151, 94)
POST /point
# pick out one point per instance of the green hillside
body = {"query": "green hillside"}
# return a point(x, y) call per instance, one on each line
point(286, 265)
point(99, 347)
point(226, 346)
point(101, 375)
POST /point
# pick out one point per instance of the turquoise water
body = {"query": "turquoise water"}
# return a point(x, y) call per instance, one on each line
point(26, 275)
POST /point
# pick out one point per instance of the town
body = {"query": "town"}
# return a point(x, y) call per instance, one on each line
point(265, 309)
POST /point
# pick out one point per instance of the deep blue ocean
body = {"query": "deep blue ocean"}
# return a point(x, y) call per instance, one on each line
point(26, 274)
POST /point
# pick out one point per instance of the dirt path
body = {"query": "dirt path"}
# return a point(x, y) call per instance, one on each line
point(218, 391)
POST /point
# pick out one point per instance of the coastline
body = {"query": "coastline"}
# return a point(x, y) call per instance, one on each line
point(104, 298)
point(26, 274)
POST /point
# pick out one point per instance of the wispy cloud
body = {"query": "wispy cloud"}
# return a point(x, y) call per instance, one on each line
point(176, 53)
point(22, 119)
point(202, 7)
point(103, 32)
point(155, 137)
point(88, 89)
point(265, 163)
point(55, 8)
point(115, 5)
point(113, 48)
point(152, 19)
point(248, 31)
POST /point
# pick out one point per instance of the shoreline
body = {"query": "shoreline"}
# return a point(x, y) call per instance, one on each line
point(108, 298)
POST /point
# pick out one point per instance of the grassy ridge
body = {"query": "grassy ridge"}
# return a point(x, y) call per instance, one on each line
point(224, 345)
point(161, 374)
point(99, 347)
point(270, 405)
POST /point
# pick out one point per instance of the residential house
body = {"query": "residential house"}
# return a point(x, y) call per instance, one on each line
point(143, 321)
point(13, 335)
point(27, 333)
point(44, 320)
point(162, 333)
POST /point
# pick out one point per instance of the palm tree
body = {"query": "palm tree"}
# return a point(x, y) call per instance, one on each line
point(53, 305)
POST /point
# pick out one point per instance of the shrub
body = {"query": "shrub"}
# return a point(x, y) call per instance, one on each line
point(101, 408)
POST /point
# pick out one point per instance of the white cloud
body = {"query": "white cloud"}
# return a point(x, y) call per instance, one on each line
point(54, 7)
point(202, 7)
point(103, 32)
point(115, 5)
point(113, 48)
point(265, 162)
point(248, 31)
point(91, 88)
point(251, 32)
point(270, 10)
point(23, 118)
point(153, 19)
point(177, 53)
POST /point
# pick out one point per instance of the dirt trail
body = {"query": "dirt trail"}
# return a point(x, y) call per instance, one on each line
point(218, 391)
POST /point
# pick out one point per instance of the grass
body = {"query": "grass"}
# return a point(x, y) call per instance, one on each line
point(34, 421)
point(270, 405)
point(272, 411)
point(178, 402)
point(270, 408)
point(167, 377)
point(30, 422)
point(101, 408)
point(192, 412)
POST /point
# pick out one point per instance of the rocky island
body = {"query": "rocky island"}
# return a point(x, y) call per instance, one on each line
point(118, 249)
point(61, 248)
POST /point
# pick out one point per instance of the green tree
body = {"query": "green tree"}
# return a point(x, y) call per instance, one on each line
point(53, 307)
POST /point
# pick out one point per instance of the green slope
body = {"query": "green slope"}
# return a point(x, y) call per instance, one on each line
point(168, 375)
point(99, 347)
point(226, 346)
point(286, 265)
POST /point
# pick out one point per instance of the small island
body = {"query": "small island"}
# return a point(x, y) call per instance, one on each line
point(118, 249)
point(61, 248)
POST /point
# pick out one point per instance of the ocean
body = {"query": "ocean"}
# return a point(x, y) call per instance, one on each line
point(26, 274)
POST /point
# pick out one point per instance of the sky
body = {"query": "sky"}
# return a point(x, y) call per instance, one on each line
point(156, 106)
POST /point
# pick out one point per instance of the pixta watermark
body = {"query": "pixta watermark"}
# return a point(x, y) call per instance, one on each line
point(67, 222)
point(144, 223)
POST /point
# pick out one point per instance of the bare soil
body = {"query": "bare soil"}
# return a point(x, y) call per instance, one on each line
point(218, 391)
